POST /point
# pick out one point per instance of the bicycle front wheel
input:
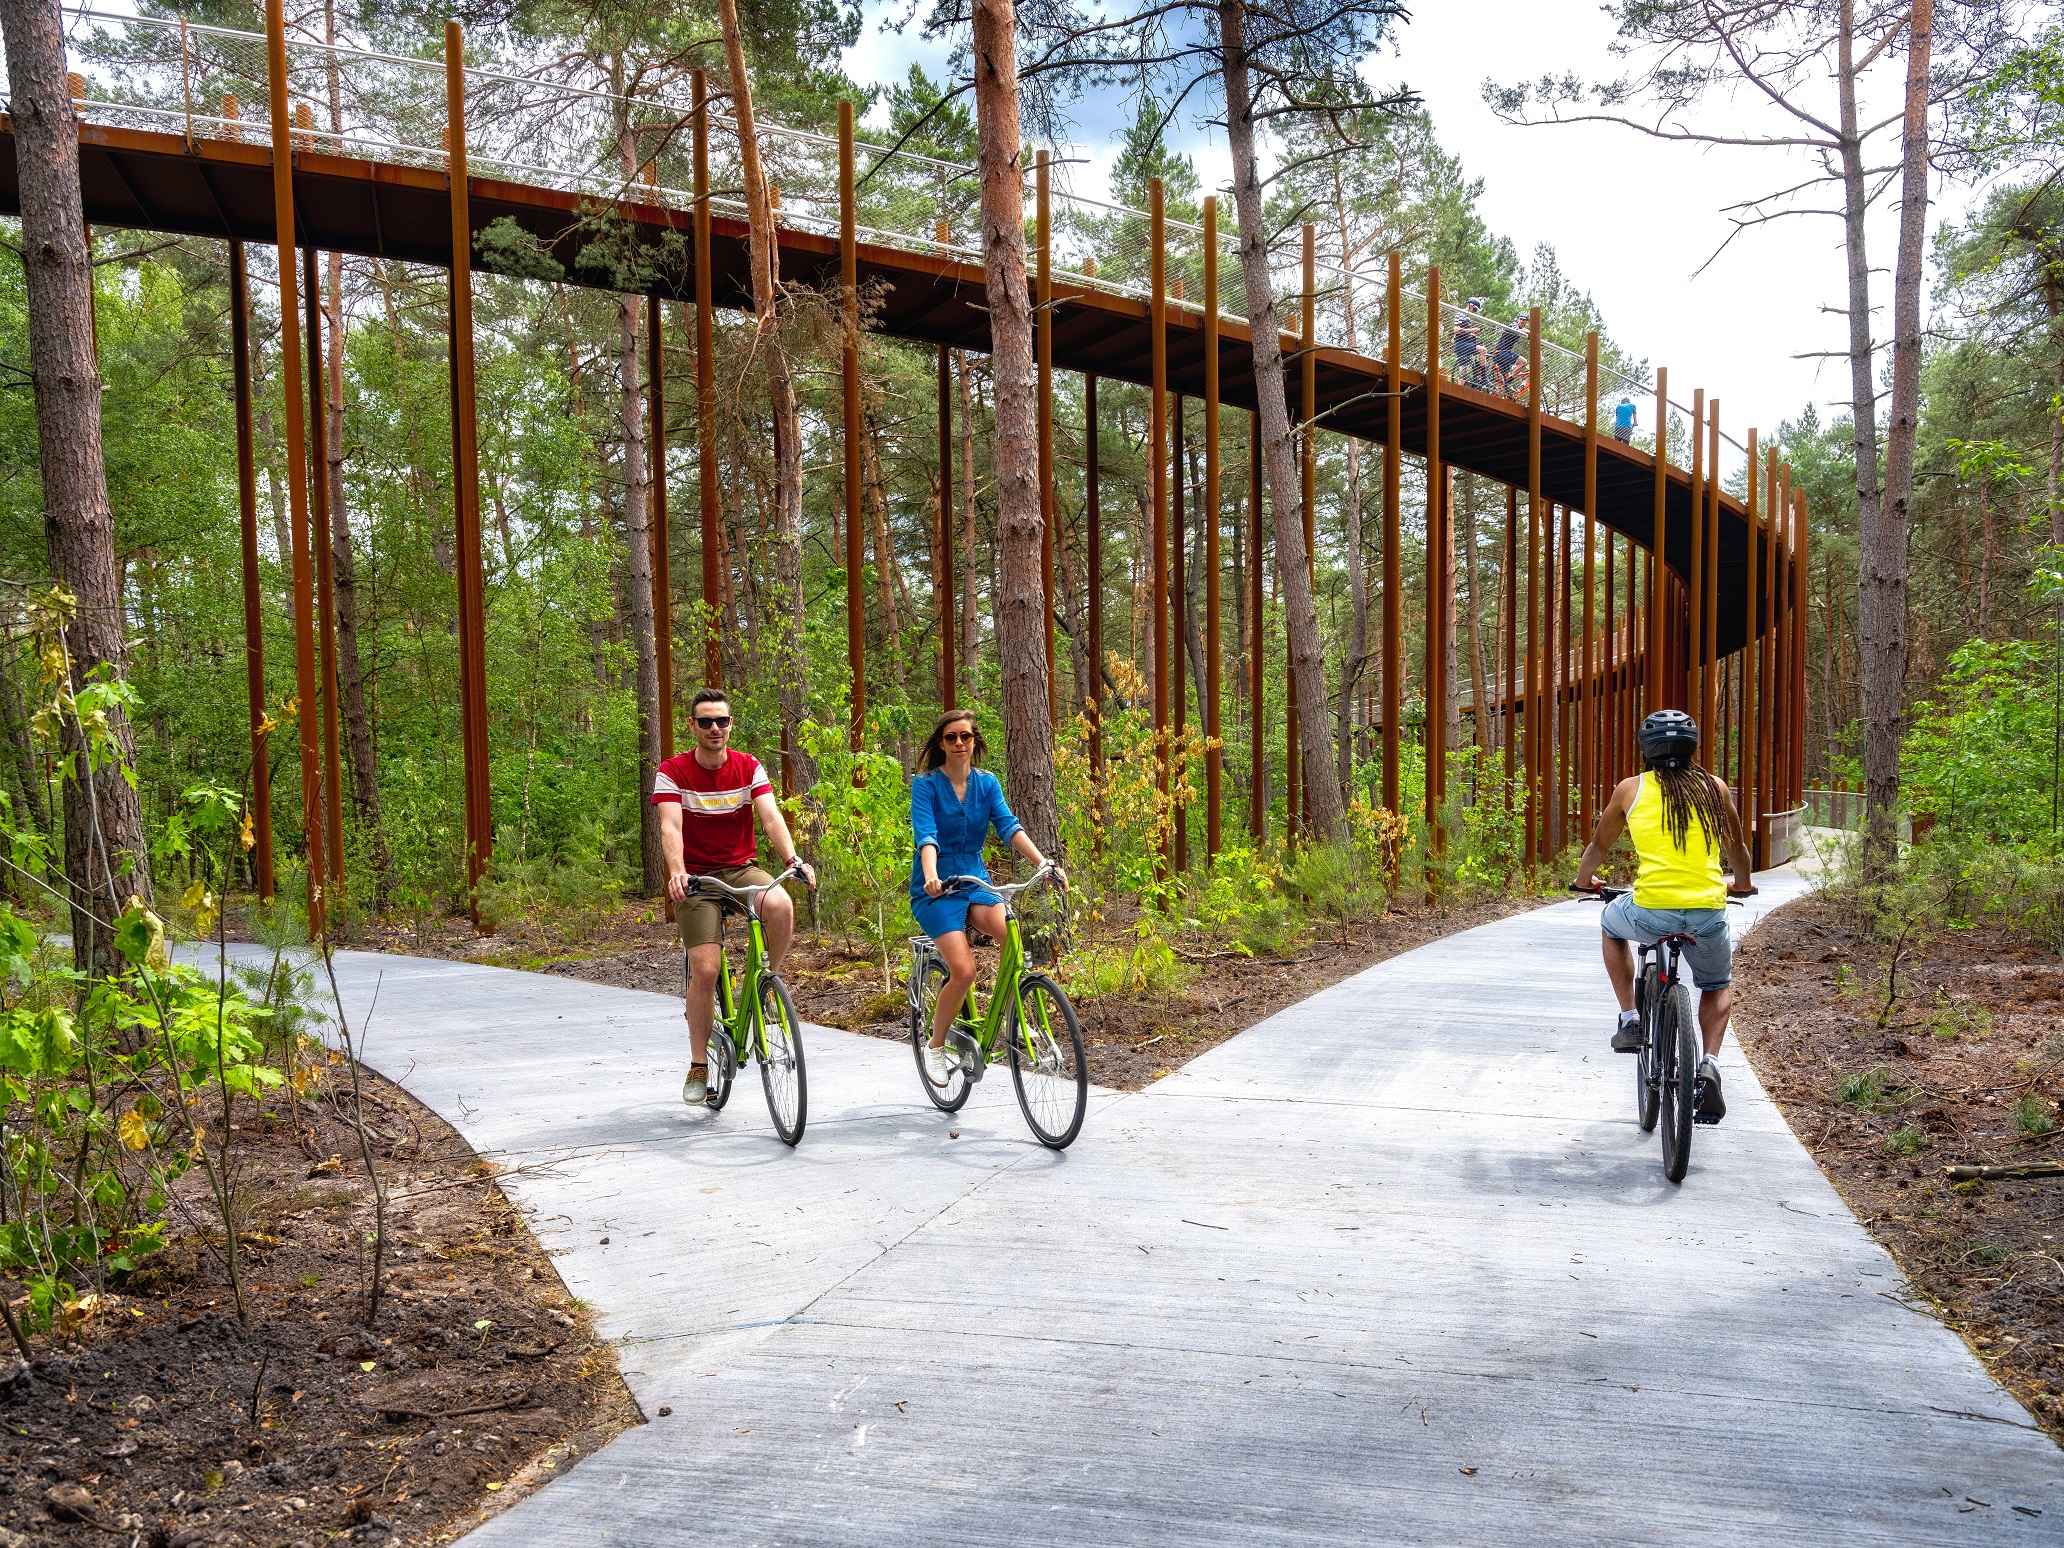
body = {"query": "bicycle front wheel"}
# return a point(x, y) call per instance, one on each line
point(723, 1065)
point(781, 1063)
point(924, 1000)
point(1048, 1064)
point(1677, 1046)
point(1645, 1088)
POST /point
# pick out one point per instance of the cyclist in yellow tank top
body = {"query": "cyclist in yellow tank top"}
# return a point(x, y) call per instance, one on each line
point(1682, 823)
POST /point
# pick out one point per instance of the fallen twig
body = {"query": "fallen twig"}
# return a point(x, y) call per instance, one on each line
point(2004, 1173)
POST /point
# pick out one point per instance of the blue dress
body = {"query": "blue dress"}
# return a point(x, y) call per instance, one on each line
point(958, 825)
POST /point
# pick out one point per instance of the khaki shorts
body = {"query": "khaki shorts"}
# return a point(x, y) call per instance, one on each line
point(701, 918)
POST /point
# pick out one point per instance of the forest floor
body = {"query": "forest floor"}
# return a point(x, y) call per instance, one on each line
point(163, 1420)
point(1134, 1037)
point(1965, 1068)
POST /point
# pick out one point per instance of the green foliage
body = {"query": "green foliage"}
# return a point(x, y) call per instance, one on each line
point(1866, 1089)
point(1908, 1140)
point(863, 805)
point(2034, 1117)
point(1978, 754)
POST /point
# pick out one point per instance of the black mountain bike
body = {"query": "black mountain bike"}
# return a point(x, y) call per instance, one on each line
point(1667, 1087)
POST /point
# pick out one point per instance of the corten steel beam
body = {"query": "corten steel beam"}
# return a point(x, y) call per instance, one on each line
point(1043, 304)
point(1093, 520)
point(1781, 633)
point(1257, 766)
point(1566, 685)
point(1558, 647)
point(1393, 540)
point(1587, 720)
point(1695, 596)
point(297, 468)
point(466, 481)
point(1436, 720)
point(1211, 516)
point(1608, 691)
point(1801, 570)
point(1709, 603)
point(1745, 759)
point(1157, 461)
point(1179, 626)
point(1533, 594)
point(254, 622)
point(943, 613)
point(706, 402)
point(662, 541)
point(325, 580)
point(1308, 399)
point(1766, 653)
point(1654, 694)
point(849, 330)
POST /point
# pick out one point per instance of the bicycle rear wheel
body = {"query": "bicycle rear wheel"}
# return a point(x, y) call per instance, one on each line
point(1679, 1056)
point(781, 1066)
point(1648, 995)
point(924, 1000)
point(723, 1065)
point(1048, 1064)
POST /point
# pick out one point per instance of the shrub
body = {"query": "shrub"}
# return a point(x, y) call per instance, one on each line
point(1867, 1089)
point(1908, 1140)
point(2033, 1116)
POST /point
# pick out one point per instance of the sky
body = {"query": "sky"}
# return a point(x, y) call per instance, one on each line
point(1634, 221)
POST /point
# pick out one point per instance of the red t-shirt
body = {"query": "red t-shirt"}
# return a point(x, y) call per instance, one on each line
point(716, 808)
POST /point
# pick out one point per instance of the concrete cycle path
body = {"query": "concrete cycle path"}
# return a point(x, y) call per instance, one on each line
point(1395, 1265)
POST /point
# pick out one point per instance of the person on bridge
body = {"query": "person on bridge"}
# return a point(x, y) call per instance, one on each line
point(1623, 420)
point(707, 800)
point(1680, 819)
point(1508, 357)
point(954, 805)
point(1469, 344)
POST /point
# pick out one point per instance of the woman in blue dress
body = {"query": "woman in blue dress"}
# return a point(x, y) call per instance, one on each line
point(954, 803)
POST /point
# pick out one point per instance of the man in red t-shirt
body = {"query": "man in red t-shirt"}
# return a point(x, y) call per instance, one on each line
point(706, 802)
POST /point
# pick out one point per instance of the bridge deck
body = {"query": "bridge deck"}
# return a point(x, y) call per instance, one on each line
point(222, 188)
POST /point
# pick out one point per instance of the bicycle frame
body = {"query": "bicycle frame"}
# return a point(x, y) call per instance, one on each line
point(986, 1028)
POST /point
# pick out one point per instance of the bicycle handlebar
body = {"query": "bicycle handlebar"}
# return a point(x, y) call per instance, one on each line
point(1607, 894)
point(953, 885)
point(749, 896)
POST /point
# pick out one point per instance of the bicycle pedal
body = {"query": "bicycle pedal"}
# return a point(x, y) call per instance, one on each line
point(969, 1052)
point(1704, 1122)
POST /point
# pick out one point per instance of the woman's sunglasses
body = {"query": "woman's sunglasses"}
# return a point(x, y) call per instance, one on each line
point(712, 722)
point(957, 737)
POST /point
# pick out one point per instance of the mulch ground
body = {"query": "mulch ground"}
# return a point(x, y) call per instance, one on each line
point(165, 1420)
point(1965, 1068)
point(1133, 1038)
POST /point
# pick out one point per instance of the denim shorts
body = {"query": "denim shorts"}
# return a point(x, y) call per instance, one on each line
point(1710, 954)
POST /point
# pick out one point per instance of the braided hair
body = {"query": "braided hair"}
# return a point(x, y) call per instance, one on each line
point(1689, 790)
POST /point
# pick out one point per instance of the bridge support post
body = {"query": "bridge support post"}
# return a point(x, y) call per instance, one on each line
point(849, 320)
point(1608, 707)
point(1257, 642)
point(706, 402)
point(947, 620)
point(1093, 579)
point(1709, 603)
point(1745, 760)
point(1781, 635)
point(1178, 622)
point(1157, 461)
point(1212, 518)
point(1308, 467)
point(1508, 692)
point(466, 486)
point(1695, 594)
point(662, 541)
point(1043, 345)
point(1435, 726)
point(1800, 575)
point(325, 582)
point(254, 627)
point(1587, 717)
point(1654, 672)
point(1393, 533)
point(1535, 743)
point(297, 464)
point(1766, 653)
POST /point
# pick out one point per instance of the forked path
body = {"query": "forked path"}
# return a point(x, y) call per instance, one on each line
point(1393, 1266)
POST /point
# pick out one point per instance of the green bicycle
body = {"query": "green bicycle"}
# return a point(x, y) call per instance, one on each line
point(756, 1017)
point(1028, 1019)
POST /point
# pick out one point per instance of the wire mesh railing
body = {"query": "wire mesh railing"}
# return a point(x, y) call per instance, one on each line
point(563, 125)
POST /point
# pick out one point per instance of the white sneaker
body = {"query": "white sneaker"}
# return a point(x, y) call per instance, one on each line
point(941, 1064)
point(695, 1089)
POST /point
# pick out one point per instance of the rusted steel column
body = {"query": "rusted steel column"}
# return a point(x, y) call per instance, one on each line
point(1178, 625)
point(1766, 650)
point(1211, 517)
point(1709, 601)
point(1781, 636)
point(1436, 723)
point(254, 622)
point(1508, 692)
point(1043, 343)
point(1654, 694)
point(466, 480)
point(1308, 398)
point(1393, 537)
point(1801, 570)
point(1534, 741)
point(325, 580)
point(1608, 690)
point(1257, 751)
point(1587, 719)
point(706, 401)
point(1559, 648)
point(849, 321)
point(1157, 462)
point(945, 618)
point(1695, 594)
point(1745, 760)
point(662, 542)
point(297, 464)
point(1093, 581)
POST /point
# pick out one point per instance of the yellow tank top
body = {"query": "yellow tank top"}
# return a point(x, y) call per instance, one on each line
point(1671, 877)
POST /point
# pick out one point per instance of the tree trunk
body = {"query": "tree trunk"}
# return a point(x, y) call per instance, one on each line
point(106, 859)
point(1020, 526)
point(970, 630)
point(1473, 572)
point(16, 721)
point(1286, 495)
point(638, 576)
point(793, 670)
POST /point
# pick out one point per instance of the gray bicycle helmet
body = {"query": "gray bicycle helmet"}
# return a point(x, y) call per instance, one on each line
point(1669, 738)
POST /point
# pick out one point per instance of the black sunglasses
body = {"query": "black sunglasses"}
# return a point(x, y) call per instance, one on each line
point(712, 722)
point(957, 737)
